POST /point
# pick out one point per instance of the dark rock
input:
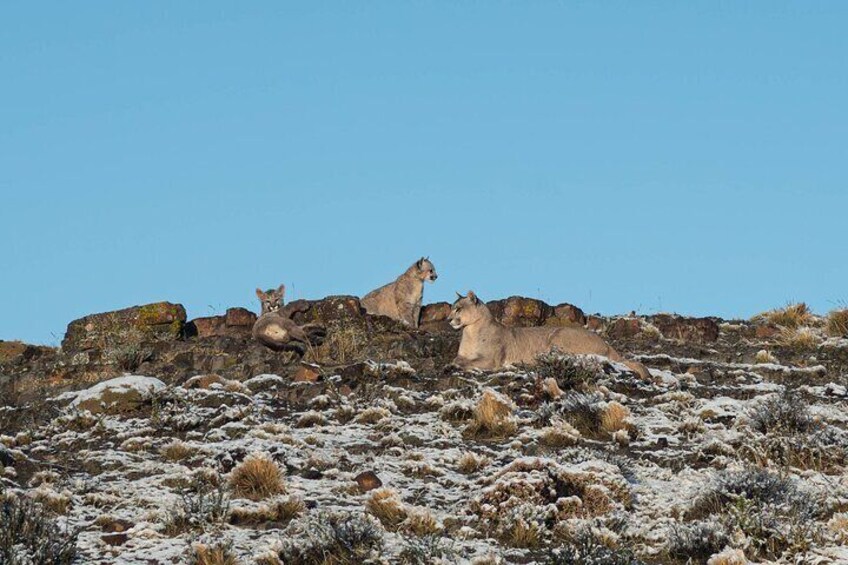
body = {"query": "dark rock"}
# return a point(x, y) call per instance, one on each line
point(700, 330)
point(207, 326)
point(240, 317)
point(595, 323)
point(118, 538)
point(368, 480)
point(434, 317)
point(624, 328)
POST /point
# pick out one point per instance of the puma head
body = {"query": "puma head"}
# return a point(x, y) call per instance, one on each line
point(426, 270)
point(271, 300)
point(466, 310)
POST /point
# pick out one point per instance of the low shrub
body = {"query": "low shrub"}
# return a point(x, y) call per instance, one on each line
point(29, 535)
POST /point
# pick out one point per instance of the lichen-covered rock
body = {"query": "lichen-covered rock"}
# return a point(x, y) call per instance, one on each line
point(123, 394)
point(160, 320)
point(566, 315)
point(520, 311)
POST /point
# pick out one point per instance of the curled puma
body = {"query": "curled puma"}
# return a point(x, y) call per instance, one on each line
point(276, 330)
point(401, 299)
point(487, 344)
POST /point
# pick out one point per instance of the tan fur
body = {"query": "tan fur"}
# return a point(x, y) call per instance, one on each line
point(489, 345)
point(401, 299)
point(276, 330)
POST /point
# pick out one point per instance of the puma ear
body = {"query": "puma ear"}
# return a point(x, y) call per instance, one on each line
point(259, 294)
point(420, 263)
point(458, 295)
point(473, 297)
point(282, 290)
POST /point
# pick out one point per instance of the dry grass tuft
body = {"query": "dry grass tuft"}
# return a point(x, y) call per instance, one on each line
point(802, 338)
point(257, 477)
point(372, 415)
point(837, 323)
point(278, 510)
point(838, 525)
point(559, 434)
point(492, 416)
point(470, 462)
point(177, 451)
point(421, 522)
point(790, 316)
point(764, 356)
point(385, 504)
point(206, 555)
point(311, 419)
point(615, 417)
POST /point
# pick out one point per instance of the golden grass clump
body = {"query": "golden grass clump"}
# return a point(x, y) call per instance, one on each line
point(280, 510)
point(217, 555)
point(551, 388)
point(837, 323)
point(385, 504)
point(177, 450)
point(799, 338)
point(421, 522)
point(764, 357)
point(790, 316)
point(838, 526)
point(372, 415)
point(559, 434)
point(522, 533)
point(492, 416)
point(470, 462)
point(310, 419)
point(615, 417)
point(257, 477)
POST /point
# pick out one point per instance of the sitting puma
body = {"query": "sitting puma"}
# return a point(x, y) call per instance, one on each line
point(487, 344)
point(276, 330)
point(401, 299)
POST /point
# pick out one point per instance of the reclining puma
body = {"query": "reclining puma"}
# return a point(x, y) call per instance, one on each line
point(401, 299)
point(275, 329)
point(487, 344)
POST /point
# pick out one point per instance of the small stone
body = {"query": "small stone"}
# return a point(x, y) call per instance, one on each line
point(306, 374)
point(368, 480)
point(118, 538)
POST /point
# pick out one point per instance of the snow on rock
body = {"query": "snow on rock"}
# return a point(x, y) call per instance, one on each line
point(121, 394)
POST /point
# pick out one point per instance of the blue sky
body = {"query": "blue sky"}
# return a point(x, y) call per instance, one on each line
point(674, 156)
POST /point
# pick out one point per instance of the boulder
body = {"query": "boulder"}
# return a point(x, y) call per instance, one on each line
point(434, 317)
point(160, 320)
point(240, 318)
point(699, 330)
point(624, 328)
point(566, 315)
point(236, 322)
point(123, 394)
point(520, 311)
point(207, 326)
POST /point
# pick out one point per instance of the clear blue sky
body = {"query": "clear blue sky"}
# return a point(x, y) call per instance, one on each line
point(675, 156)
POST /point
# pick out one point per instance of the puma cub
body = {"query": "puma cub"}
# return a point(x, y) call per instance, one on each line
point(487, 344)
point(401, 299)
point(276, 330)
